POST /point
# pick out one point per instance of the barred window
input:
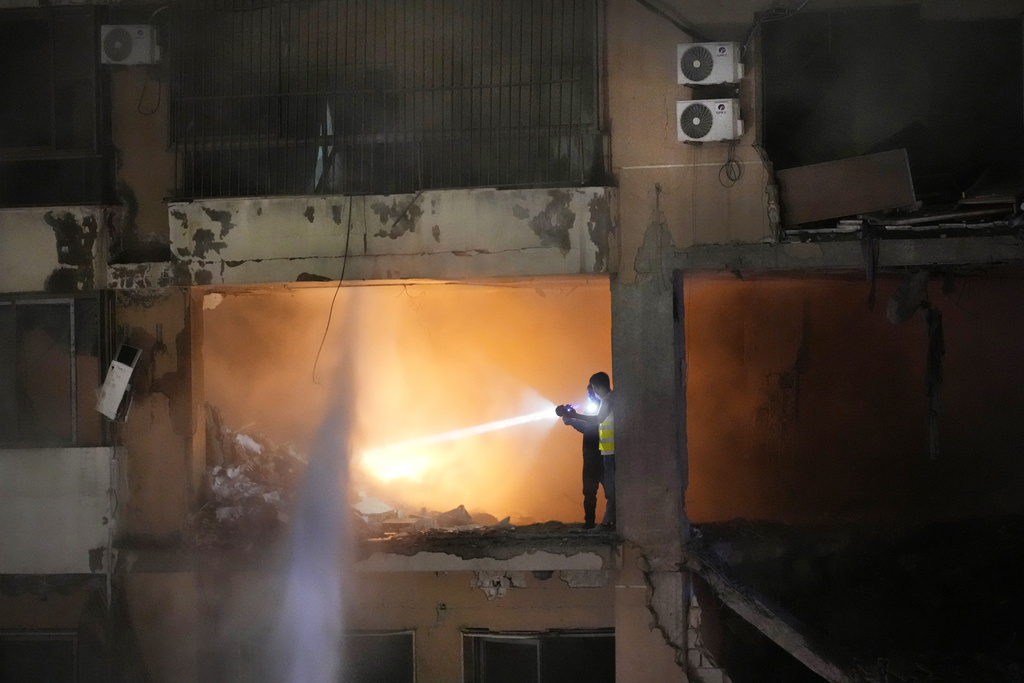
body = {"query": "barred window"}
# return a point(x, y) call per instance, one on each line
point(50, 148)
point(383, 96)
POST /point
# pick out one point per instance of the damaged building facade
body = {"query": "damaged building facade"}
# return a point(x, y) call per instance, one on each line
point(811, 326)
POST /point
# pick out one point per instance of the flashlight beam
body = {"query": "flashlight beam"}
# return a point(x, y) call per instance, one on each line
point(456, 434)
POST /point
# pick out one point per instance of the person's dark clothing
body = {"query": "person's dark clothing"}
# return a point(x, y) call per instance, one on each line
point(593, 467)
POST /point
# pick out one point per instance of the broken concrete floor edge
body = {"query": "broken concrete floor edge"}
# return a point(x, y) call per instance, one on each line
point(848, 254)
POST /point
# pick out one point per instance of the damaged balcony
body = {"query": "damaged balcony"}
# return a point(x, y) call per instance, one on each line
point(457, 461)
point(433, 234)
point(251, 499)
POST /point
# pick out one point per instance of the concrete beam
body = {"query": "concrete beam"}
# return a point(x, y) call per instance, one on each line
point(761, 617)
point(847, 255)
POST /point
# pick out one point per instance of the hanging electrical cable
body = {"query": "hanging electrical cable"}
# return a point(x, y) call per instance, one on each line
point(330, 312)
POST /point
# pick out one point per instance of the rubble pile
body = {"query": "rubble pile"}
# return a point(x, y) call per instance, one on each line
point(252, 483)
point(377, 519)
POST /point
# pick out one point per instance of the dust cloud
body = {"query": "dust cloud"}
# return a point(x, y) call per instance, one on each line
point(429, 358)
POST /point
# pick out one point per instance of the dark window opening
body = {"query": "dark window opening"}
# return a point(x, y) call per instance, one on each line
point(356, 97)
point(367, 657)
point(38, 657)
point(49, 108)
point(846, 83)
point(51, 353)
point(569, 657)
point(379, 658)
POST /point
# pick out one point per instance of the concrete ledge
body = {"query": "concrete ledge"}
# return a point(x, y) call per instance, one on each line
point(847, 255)
point(447, 562)
point(437, 234)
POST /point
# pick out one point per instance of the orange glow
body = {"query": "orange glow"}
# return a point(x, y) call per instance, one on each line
point(429, 360)
point(403, 460)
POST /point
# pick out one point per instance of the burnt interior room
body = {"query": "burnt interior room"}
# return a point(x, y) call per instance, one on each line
point(454, 390)
point(850, 82)
point(829, 480)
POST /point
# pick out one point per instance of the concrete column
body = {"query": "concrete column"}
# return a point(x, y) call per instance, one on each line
point(648, 364)
point(650, 415)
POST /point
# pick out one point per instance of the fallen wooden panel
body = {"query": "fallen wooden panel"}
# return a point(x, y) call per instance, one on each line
point(873, 182)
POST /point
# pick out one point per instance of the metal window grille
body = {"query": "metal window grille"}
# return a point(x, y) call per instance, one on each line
point(50, 147)
point(383, 96)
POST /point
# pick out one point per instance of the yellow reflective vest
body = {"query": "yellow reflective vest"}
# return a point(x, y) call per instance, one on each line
point(606, 434)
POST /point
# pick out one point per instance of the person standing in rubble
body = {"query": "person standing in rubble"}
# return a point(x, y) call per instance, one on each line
point(598, 429)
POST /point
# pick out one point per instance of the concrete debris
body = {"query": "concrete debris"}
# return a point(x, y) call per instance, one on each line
point(247, 443)
point(252, 484)
point(455, 518)
point(373, 506)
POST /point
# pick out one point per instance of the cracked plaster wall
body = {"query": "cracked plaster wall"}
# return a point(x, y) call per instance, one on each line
point(441, 235)
point(59, 250)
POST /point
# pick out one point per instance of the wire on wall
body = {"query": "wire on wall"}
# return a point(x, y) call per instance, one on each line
point(732, 170)
point(330, 312)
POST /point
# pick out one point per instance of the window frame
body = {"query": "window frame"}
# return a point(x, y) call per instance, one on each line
point(48, 635)
point(104, 316)
point(474, 637)
point(74, 157)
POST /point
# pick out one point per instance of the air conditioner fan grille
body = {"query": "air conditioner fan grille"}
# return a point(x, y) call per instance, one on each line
point(696, 63)
point(117, 44)
point(695, 121)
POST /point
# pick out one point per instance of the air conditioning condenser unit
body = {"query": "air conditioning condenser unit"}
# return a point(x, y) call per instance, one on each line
point(708, 120)
point(708, 63)
point(128, 44)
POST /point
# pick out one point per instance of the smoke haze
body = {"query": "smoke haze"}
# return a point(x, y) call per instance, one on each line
point(429, 358)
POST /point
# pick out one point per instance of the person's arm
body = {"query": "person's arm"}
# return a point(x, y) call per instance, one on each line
point(598, 418)
point(581, 426)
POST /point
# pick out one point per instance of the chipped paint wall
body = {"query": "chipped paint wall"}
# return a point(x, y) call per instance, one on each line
point(156, 487)
point(55, 510)
point(441, 235)
point(56, 249)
